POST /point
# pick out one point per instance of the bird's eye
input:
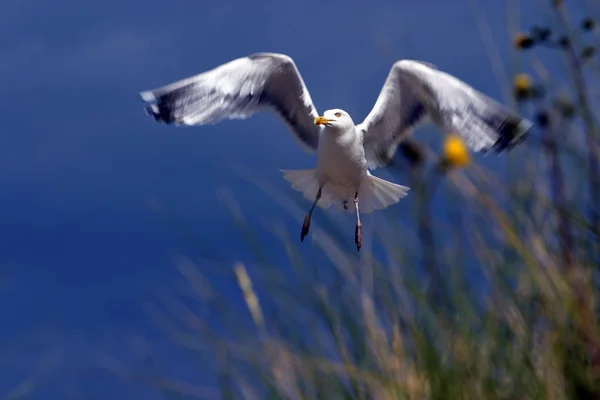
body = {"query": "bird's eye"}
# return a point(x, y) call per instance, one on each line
point(338, 114)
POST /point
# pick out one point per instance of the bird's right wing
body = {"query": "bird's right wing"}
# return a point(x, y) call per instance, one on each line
point(237, 90)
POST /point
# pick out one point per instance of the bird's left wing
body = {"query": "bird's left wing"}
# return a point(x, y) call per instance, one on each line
point(415, 92)
point(237, 90)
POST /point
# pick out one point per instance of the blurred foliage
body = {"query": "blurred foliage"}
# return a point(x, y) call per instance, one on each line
point(408, 320)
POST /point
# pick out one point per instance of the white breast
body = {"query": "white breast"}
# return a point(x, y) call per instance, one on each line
point(341, 160)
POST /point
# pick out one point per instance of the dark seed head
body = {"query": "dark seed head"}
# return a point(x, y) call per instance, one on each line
point(588, 24)
point(588, 52)
point(538, 92)
point(564, 106)
point(564, 42)
point(412, 151)
point(524, 42)
point(540, 34)
point(542, 119)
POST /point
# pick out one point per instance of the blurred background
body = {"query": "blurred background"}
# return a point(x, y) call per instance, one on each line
point(139, 260)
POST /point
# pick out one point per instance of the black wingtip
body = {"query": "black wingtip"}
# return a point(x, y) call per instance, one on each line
point(512, 132)
point(152, 111)
point(159, 113)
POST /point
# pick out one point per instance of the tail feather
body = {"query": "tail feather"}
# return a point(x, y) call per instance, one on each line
point(306, 182)
point(376, 194)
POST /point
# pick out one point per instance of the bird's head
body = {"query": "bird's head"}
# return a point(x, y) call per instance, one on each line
point(335, 119)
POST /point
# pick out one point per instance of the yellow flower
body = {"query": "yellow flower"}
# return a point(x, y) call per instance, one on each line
point(522, 85)
point(522, 82)
point(456, 153)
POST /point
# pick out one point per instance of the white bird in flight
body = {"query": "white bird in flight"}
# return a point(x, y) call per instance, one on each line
point(414, 92)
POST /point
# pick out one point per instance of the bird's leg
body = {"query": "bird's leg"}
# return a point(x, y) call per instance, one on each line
point(358, 231)
point(306, 224)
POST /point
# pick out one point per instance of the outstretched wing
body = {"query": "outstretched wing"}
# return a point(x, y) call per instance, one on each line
point(415, 92)
point(236, 90)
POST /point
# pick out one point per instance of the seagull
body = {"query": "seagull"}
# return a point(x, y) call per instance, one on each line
point(414, 93)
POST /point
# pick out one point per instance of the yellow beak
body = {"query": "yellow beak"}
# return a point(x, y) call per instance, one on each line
point(321, 121)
